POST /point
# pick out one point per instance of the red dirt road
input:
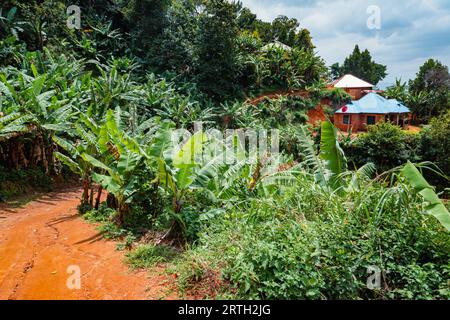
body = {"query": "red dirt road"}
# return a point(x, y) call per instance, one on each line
point(38, 243)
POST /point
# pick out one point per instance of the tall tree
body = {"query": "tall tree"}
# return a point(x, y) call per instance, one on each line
point(217, 33)
point(284, 30)
point(148, 20)
point(432, 81)
point(246, 19)
point(175, 48)
point(361, 65)
point(432, 75)
point(303, 40)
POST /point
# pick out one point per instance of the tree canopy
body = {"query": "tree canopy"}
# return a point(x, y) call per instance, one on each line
point(361, 65)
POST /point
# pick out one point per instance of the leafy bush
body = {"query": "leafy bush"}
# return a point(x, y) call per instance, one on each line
point(103, 214)
point(384, 144)
point(434, 145)
point(314, 245)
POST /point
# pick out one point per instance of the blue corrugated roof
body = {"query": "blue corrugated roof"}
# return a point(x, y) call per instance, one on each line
point(374, 103)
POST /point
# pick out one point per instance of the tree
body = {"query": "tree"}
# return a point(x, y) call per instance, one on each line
point(175, 48)
point(434, 146)
point(284, 30)
point(43, 21)
point(246, 19)
point(361, 65)
point(432, 81)
point(303, 40)
point(148, 20)
point(399, 91)
point(335, 71)
point(216, 45)
point(432, 75)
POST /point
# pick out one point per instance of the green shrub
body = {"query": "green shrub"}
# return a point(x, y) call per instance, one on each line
point(384, 144)
point(103, 214)
point(316, 245)
point(136, 224)
point(146, 256)
point(435, 146)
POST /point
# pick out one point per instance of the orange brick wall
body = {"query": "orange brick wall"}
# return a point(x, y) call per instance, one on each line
point(358, 121)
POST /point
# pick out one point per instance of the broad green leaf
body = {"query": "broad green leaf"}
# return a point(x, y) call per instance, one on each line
point(66, 145)
point(96, 163)
point(162, 142)
point(184, 176)
point(34, 70)
point(73, 166)
point(331, 152)
point(38, 84)
point(190, 151)
point(433, 205)
point(11, 14)
point(128, 162)
point(107, 182)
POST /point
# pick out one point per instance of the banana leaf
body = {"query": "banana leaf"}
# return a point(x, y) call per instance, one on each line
point(433, 205)
point(331, 153)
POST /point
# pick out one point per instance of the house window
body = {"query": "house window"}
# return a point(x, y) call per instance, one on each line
point(371, 120)
point(347, 119)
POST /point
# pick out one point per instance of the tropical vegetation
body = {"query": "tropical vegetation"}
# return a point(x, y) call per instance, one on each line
point(134, 106)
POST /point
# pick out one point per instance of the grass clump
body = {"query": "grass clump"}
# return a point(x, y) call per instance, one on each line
point(149, 255)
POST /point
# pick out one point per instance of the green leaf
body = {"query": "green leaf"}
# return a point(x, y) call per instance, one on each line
point(107, 182)
point(66, 145)
point(96, 163)
point(184, 176)
point(190, 151)
point(162, 142)
point(310, 155)
point(34, 70)
point(331, 152)
point(72, 165)
point(128, 162)
point(38, 84)
point(433, 205)
point(11, 14)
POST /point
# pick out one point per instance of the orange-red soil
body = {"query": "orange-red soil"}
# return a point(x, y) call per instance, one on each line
point(39, 242)
point(316, 115)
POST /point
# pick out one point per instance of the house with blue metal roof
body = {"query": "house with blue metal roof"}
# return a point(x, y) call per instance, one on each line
point(370, 109)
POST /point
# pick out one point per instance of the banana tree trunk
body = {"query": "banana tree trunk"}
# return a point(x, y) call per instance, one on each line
point(85, 197)
point(122, 210)
point(99, 196)
point(91, 197)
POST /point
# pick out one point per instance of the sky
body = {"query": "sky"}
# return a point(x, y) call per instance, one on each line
point(402, 36)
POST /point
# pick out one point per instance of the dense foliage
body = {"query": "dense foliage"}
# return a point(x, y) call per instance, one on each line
point(119, 104)
point(431, 144)
point(361, 65)
point(377, 143)
point(428, 95)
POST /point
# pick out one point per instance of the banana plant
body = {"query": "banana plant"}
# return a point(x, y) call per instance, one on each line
point(85, 132)
point(330, 163)
point(175, 169)
point(332, 154)
point(120, 179)
point(431, 202)
point(41, 112)
point(118, 164)
point(9, 24)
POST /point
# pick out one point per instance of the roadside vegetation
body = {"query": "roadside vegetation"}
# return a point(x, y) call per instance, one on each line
point(102, 103)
